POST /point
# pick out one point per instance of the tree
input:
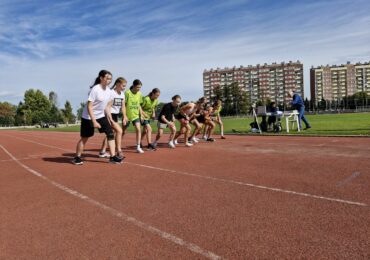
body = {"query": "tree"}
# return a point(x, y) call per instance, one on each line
point(228, 103)
point(244, 105)
point(55, 115)
point(7, 113)
point(53, 98)
point(68, 115)
point(34, 109)
point(322, 104)
point(217, 92)
point(80, 110)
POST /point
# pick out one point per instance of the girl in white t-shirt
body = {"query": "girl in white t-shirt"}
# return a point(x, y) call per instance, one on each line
point(117, 108)
point(93, 116)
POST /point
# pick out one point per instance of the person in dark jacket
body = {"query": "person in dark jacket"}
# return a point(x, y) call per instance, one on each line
point(299, 105)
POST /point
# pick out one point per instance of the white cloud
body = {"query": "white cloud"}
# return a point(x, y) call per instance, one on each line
point(173, 54)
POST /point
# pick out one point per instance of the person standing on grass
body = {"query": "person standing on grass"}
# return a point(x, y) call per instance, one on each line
point(93, 116)
point(148, 106)
point(299, 105)
point(133, 100)
point(217, 107)
point(166, 119)
point(183, 117)
point(118, 108)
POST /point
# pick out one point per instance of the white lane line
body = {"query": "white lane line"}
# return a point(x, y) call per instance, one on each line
point(348, 179)
point(226, 180)
point(253, 185)
point(165, 235)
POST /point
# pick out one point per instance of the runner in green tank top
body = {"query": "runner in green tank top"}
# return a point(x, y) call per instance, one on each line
point(148, 106)
point(217, 107)
point(133, 100)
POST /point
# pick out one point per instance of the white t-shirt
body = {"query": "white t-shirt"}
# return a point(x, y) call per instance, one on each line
point(118, 100)
point(99, 98)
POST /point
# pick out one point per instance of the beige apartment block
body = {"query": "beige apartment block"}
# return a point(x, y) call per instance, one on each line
point(261, 82)
point(335, 82)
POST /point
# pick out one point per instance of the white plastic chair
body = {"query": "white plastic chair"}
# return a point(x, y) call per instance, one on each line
point(292, 119)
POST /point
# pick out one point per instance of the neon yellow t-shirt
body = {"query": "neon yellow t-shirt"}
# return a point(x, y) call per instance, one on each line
point(133, 102)
point(217, 112)
point(148, 107)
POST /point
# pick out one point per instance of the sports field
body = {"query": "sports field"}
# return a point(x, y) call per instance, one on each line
point(246, 197)
point(328, 124)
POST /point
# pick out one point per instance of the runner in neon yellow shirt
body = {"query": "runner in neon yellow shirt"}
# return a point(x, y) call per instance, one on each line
point(217, 107)
point(133, 100)
point(148, 106)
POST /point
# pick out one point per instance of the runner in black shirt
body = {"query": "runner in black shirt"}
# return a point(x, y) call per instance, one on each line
point(166, 119)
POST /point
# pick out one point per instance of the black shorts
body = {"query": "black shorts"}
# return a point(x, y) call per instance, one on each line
point(115, 117)
point(201, 119)
point(87, 127)
point(180, 116)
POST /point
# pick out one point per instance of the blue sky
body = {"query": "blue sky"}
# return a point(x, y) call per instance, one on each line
point(61, 45)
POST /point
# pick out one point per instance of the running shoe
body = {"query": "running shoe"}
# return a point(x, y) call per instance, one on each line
point(223, 137)
point(139, 150)
point(195, 140)
point(210, 140)
point(171, 145)
point(77, 161)
point(120, 155)
point(175, 142)
point(115, 159)
point(151, 147)
point(104, 155)
point(188, 144)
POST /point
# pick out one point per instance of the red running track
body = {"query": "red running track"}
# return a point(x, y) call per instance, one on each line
point(240, 198)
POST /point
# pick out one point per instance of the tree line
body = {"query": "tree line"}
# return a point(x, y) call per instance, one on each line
point(36, 108)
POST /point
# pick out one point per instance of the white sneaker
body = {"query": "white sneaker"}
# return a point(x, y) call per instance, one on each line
point(205, 137)
point(104, 155)
point(187, 144)
point(195, 140)
point(139, 150)
point(171, 145)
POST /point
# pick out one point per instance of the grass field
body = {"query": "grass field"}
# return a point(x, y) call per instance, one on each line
point(329, 124)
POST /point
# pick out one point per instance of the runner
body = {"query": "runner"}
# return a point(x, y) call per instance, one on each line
point(93, 116)
point(217, 107)
point(166, 119)
point(118, 108)
point(133, 100)
point(148, 106)
point(183, 116)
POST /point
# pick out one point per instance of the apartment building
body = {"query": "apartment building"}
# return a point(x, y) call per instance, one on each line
point(261, 82)
point(335, 82)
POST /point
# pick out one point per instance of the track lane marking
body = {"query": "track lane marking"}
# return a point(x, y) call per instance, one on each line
point(239, 183)
point(165, 235)
point(226, 180)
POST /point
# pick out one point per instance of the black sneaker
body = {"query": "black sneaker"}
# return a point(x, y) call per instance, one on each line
point(151, 147)
point(141, 146)
point(77, 161)
point(120, 155)
point(210, 140)
point(115, 159)
point(307, 127)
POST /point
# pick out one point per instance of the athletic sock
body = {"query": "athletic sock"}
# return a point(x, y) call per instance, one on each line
point(222, 133)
